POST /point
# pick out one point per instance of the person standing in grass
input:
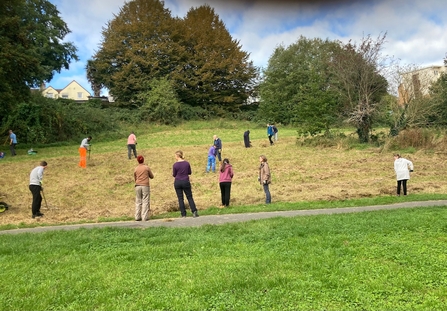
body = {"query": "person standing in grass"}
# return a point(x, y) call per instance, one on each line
point(181, 171)
point(402, 167)
point(85, 146)
point(142, 174)
point(264, 178)
point(275, 132)
point(12, 143)
point(35, 186)
point(131, 145)
point(270, 133)
point(211, 162)
point(225, 179)
point(218, 143)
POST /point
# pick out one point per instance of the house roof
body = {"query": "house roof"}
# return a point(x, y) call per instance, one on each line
point(60, 90)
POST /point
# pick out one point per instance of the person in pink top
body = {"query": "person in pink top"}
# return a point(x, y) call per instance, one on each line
point(225, 179)
point(131, 145)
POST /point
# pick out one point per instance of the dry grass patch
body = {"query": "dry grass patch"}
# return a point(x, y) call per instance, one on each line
point(106, 189)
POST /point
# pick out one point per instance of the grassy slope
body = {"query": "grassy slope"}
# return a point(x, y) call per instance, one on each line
point(330, 177)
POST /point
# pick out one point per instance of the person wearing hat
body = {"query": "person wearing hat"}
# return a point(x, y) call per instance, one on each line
point(35, 186)
point(142, 174)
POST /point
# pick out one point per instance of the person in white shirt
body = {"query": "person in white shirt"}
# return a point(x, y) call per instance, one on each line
point(402, 167)
point(85, 145)
point(35, 186)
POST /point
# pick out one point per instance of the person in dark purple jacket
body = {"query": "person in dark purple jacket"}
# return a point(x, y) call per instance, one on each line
point(181, 171)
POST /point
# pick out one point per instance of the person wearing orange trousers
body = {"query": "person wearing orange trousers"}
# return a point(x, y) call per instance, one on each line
point(85, 145)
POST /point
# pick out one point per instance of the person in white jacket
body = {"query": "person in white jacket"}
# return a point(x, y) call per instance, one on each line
point(403, 167)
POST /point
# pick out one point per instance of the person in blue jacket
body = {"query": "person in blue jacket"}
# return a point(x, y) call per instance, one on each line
point(270, 133)
point(12, 142)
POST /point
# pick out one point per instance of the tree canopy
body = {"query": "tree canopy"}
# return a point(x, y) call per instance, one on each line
point(314, 83)
point(143, 42)
point(31, 48)
point(297, 86)
point(358, 69)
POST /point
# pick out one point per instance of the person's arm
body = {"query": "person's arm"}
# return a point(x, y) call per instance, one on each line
point(40, 174)
point(174, 171)
point(266, 173)
point(410, 164)
point(151, 175)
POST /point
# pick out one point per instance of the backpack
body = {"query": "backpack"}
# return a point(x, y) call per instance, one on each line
point(275, 130)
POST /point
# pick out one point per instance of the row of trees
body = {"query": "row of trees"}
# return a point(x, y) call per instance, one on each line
point(169, 67)
point(316, 83)
point(319, 84)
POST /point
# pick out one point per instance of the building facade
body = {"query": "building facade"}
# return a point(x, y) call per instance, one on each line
point(72, 91)
point(417, 83)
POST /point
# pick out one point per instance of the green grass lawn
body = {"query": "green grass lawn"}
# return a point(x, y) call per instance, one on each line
point(384, 260)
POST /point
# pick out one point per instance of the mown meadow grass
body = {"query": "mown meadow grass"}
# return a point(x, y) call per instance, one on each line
point(384, 260)
point(302, 175)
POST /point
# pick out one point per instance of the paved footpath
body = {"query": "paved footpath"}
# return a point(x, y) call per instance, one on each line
point(223, 219)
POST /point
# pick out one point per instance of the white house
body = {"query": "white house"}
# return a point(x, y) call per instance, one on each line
point(72, 91)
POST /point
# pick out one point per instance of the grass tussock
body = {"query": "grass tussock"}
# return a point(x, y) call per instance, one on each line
point(300, 173)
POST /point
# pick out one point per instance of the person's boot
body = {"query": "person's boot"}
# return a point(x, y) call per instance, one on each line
point(195, 215)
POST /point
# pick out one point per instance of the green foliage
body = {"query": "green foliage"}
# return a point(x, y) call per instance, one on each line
point(137, 46)
point(438, 97)
point(357, 69)
point(159, 104)
point(43, 120)
point(207, 67)
point(297, 87)
point(215, 71)
point(31, 49)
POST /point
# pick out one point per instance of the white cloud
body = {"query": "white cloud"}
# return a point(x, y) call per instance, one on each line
point(416, 30)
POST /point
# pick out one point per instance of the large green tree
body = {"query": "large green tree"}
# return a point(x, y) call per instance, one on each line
point(296, 88)
point(31, 49)
point(137, 46)
point(215, 71)
point(143, 42)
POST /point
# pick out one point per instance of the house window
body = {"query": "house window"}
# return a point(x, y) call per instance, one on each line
point(64, 95)
point(49, 95)
point(79, 94)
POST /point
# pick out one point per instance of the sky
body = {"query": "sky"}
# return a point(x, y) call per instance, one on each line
point(416, 31)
